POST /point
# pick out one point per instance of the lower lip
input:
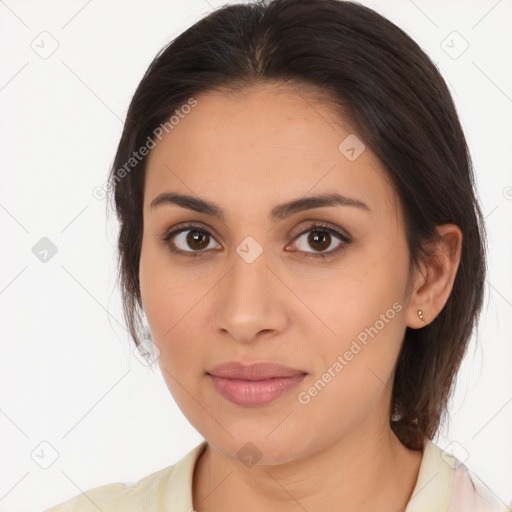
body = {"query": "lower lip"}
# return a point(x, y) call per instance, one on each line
point(250, 393)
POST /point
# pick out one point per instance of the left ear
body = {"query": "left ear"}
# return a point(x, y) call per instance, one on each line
point(434, 282)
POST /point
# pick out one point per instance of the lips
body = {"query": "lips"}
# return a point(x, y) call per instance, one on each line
point(253, 371)
point(254, 384)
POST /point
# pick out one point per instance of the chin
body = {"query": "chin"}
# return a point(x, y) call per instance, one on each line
point(260, 450)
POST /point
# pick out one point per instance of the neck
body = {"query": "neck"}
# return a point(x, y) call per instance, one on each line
point(367, 468)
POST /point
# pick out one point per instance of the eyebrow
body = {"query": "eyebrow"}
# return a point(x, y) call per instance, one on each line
point(277, 213)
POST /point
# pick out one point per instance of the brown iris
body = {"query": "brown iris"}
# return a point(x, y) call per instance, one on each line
point(319, 237)
point(197, 237)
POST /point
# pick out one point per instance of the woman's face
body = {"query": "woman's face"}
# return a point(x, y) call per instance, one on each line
point(253, 289)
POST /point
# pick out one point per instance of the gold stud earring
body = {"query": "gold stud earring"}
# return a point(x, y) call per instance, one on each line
point(420, 314)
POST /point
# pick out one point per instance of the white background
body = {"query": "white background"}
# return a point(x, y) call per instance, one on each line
point(68, 375)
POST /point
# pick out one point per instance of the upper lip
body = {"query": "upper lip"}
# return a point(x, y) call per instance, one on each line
point(253, 371)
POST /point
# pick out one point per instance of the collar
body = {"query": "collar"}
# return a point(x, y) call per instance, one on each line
point(178, 489)
point(435, 480)
point(432, 490)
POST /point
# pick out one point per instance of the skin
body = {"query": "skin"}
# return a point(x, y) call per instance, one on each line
point(249, 152)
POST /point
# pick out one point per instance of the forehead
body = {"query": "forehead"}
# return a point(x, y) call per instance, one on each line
point(270, 142)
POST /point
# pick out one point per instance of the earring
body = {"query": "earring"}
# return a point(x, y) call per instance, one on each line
point(420, 314)
point(396, 414)
point(146, 332)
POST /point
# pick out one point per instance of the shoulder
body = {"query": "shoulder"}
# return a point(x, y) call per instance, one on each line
point(111, 497)
point(445, 484)
point(469, 493)
point(160, 490)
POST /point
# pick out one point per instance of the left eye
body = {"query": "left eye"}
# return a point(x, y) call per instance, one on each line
point(320, 237)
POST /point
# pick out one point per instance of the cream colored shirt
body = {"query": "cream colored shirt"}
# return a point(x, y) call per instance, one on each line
point(443, 485)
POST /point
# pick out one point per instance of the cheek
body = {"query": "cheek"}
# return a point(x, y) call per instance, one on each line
point(365, 311)
point(172, 299)
point(162, 287)
point(158, 292)
point(355, 371)
point(354, 297)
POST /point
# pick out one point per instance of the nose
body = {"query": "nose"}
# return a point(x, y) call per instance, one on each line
point(251, 300)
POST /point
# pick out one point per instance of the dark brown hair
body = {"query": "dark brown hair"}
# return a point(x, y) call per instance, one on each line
point(400, 106)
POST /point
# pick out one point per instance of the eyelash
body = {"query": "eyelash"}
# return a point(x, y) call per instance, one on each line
point(320, 226)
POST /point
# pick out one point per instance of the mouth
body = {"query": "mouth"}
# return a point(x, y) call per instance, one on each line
point(255, 384)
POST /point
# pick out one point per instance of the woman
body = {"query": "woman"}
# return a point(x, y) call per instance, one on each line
point(299, 226)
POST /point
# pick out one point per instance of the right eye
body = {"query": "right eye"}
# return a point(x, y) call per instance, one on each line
point(189, 237)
